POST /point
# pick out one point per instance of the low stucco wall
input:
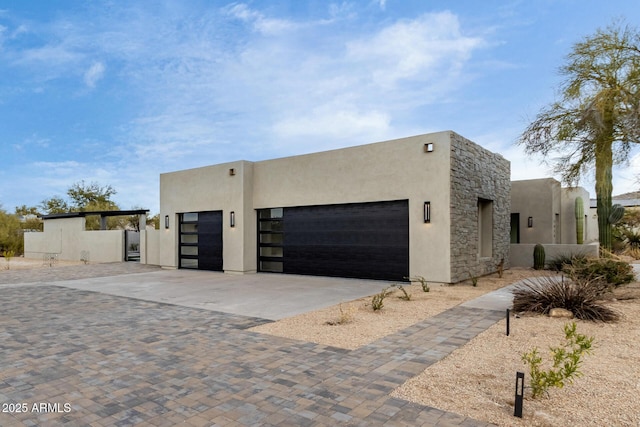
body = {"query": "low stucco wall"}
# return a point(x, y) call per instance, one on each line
point(522, 254)
point(67, 239)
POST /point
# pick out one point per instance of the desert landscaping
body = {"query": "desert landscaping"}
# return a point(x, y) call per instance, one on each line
point(478, 379)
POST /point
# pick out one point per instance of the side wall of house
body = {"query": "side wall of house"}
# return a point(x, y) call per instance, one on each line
point(540, 200)
point(480, 186)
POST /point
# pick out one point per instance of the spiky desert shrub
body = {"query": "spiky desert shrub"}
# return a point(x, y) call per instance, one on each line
point(580, 296)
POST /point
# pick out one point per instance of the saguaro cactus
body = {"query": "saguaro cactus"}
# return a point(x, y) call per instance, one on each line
point(538, 257)
point(579, 210)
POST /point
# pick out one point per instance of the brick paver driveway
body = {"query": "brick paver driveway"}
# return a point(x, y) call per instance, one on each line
point(77, 358)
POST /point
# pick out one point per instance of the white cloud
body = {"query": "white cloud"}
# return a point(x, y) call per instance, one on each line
point(259, 21)
point(334, 124)
point(428, 48)
point(94, 74)
point(382, 4)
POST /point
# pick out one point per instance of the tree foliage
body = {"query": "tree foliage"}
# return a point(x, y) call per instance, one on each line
point(54, 205)
point(10, 233)
point(597, 119)
point(93, 196)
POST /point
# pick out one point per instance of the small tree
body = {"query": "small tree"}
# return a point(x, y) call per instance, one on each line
point(10, 233)
point(598, 117)
point(86, 196)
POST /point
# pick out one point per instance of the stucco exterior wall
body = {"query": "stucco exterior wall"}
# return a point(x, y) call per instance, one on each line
point(392, 170)
point(522, 255)
point(477, 174)
point(150, 246)
point(67, 238)
point(540, 200)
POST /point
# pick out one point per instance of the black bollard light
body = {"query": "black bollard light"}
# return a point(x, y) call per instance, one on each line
point(508, 321)
point(517, 409)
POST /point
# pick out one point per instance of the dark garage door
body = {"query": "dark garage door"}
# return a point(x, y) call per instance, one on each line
point(360, 240)
point(201, 240)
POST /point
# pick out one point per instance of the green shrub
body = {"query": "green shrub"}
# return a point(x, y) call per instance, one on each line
point(611, 271)
point(566, 362)
point(422, 280)
point(7, 256)
point(377, 302)
point(474, 280)
point(405, 295)
point(580, 296)
point(561, 261)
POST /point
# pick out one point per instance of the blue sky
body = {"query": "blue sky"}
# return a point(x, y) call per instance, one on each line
point(118, 92)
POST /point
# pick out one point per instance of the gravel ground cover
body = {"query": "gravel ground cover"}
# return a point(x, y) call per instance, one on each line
point(478, 379)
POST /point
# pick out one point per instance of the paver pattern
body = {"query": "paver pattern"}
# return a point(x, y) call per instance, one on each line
point(121, 362)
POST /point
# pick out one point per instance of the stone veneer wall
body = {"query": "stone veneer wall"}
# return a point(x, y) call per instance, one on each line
point(477, 173)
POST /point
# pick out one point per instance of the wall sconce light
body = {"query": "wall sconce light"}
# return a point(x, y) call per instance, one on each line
point(530, 222)
point(428, 148)
point(232, 219)
point(427, 212)
point(232, 171)
point(166, 221)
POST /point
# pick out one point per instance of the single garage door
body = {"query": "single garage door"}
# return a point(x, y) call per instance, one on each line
point(359, 240)
point(201, 240)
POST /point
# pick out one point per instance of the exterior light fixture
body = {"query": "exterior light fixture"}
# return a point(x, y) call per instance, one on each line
point(427, 212)
point(530, 222)
point(232, 219)
point(428, 148)
point(166, 221)
point(232, 171)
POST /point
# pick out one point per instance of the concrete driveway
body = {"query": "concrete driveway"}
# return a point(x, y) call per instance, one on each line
point(263, 295)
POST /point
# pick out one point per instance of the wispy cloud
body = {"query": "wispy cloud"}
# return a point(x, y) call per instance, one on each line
point(423, 49)
point(259, 21)
point(202, 86)
point(94, 74)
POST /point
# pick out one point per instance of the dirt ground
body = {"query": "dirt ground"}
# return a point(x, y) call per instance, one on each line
point(20, 263)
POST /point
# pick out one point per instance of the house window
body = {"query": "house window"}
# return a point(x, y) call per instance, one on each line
point(485, 228)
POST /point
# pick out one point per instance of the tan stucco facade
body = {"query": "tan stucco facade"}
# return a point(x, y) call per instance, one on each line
point(551, 209)
point(401, 169)
point(67, 239)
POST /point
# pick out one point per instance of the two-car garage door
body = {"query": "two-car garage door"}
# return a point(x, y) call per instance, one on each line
point(363, 240)
point(360, 240)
